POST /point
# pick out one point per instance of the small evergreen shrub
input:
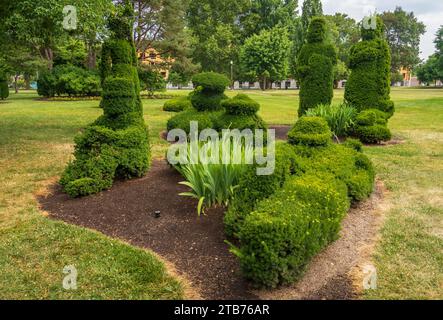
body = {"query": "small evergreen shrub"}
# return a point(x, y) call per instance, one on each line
point(177, 105)
point(354, 144)
point(241, 105)
point(315, 67)
point(253, 187)
point(209, 92)
point(371, 127)
point(310, 131)
point(183, 119)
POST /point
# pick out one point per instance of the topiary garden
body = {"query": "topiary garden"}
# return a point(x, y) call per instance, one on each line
point(116, 145)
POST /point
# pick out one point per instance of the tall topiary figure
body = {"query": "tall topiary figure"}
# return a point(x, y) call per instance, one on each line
point(315, 67)
point(368, 86)
point(117, 143)
point(4, 90)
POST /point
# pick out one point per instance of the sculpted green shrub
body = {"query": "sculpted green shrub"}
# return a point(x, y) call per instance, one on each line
point(209, 92)
point(368, 86)
point(340, 117)
point(315, 71)
point(310, 131)
point(372, 127)
point(177, 105)
point(116, 145)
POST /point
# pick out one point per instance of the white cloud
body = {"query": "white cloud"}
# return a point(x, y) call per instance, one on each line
point(430, 12)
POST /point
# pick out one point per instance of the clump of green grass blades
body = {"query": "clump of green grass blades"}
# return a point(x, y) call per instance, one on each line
point(340, 117)
point(214, 184)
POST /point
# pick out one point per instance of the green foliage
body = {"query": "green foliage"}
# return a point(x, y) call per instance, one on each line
point(371, 127)
point(368, 86)
point(228, 121)
point(310, 131)
point(241, 105)
point(315, 70)
point(265, 55)
point(285, 231)
point(205, 119)
point(253, 188)
point(151, 80)
point(4, 90)
point(177, 105)
point(354, 144)
point(430, 71)
point(116, 145)
point(214, 183)
point(340, 118)
point(209, 92)
point(68, 80)
point(403, 33)
point(283, 220)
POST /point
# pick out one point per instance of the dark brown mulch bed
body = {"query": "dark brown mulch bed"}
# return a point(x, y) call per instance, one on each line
point(281, 131)
point(194, 245)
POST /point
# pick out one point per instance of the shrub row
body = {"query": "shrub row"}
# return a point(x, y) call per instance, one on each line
point(68, 80)
point(283, 220)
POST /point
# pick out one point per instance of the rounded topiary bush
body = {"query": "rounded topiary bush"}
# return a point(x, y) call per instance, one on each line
point(371, 127)
point(315, 67)
point(209, 91)
point(310, 131)
point(183, 119)
point(241, 105)
point(177, 105)
point(211, 82)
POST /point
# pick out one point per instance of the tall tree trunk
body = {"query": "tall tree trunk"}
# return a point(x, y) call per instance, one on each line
point(92, 57)
point(15, 82)
point(27, 81)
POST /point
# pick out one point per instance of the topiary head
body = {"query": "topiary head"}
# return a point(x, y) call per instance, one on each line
point(121, 22)
point(310, 131)
point(372, 28)
point(317, 30)
point(241, 105)
point(211, 82)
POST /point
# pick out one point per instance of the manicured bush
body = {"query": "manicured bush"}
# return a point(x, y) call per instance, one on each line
point(205, 119)
point(209, 92)
point(286, 230)
point(116, 145)
point(315, 67)
point(227, 121)
point(241, 105)
point(340, 117)
point(177, 105)
point(4, 90)
point(371, 127)
point(310, 131)
point(368, 86)
point(68, 80)
point(354, 144)
point(253, 188)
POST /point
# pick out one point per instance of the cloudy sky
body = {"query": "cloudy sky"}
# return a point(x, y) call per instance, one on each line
point(430, 12)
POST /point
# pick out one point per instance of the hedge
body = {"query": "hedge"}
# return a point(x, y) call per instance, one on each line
point(315, 67)
point(4, 90)
point(177, 105)
point(116, 145)
point(368, 86)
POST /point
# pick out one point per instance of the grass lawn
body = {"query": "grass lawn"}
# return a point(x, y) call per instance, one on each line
point(36, 142)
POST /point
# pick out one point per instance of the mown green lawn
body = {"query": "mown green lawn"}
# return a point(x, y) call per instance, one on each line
point(36, 142)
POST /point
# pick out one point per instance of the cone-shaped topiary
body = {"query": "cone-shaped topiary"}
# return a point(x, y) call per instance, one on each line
point(117, 143)
point(368, 86)
point(315, 67)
